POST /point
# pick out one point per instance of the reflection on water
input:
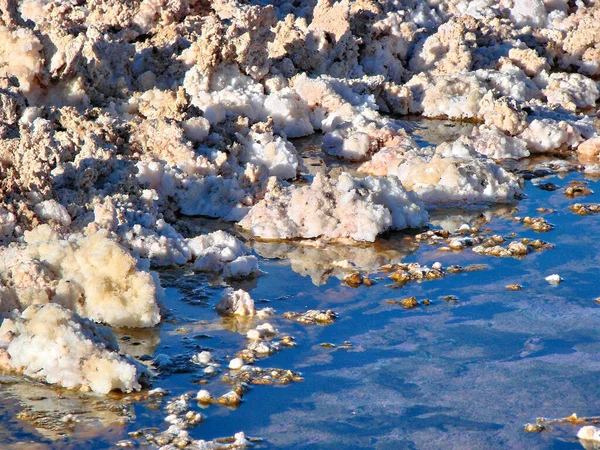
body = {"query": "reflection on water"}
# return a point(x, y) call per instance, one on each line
point(55, 416)
point(464, 374)
point(322, 260)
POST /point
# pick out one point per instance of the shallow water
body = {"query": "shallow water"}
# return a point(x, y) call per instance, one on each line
point(464, 374)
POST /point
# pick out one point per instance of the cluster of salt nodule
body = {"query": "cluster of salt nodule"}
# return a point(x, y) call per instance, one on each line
point(348, 208)
point(239, 303)
point(91, 275)
point(450, 174)
point(118, 117)
point(220, 251)
point(53, 344)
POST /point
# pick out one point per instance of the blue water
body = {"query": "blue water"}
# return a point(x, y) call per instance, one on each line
point(457, 375)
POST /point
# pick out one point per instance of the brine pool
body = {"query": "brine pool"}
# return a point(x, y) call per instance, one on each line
point(460, 374)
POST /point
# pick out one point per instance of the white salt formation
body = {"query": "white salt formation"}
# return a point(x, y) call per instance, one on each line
point(92, 276)
point(589, 433)
point(117, 118)
point(453, 173)
point(53, 344)
point(236, 303)
point(347, 208)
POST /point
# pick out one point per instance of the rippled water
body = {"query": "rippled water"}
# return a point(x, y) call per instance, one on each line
point(465, 374)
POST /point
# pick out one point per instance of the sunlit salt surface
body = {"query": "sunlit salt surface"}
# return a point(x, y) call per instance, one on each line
point(468, 373)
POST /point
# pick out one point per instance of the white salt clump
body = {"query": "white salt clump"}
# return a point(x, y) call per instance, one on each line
point(528, 13)
point(528, 60)
point(267, 329)
point(7, 222)
point(204, 396)
point(289, 113)
point(236, 363)
point(445, 51)
point(589, 433)
point(242, 267)
point(158, 392)
point(202, 358)
point(353, 147)
point(253, 334)
point(571, 90)
point(212, 196)
point(52, 210)
point(544, 135)
point(261, 332)
point(20, 56)
point(51, 343)
point(92, 276)
point(452, 173)
point(553, 279)
point(196, 128)
point(214, 250)
point(163, 244)
point(236, 303)
point(349, 208)
point(460, 95)
point(210, 370)
point(271, 151)
point(495, 144)
point(589, 149)
point(232, 93)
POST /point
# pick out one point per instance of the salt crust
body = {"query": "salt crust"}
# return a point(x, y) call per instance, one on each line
point(452, 173)
point(92, 276)
point(347, 208)
point(55, 345)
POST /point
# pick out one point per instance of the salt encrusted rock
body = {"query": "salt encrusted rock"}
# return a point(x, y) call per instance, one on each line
point(349, 208)
point(214, 250)
point(589, 433)
point(92, 276)
point(589, 148)
point(55, 345)
point(571, 90)
point(453, 173)
point(236, 303)
point(544, 135)
point(495, 144)
point(242, 267)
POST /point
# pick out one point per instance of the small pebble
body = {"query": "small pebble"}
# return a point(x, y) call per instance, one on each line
point(236, 363)
point(157, 392)
point(554, 279)
point(204, 396)
point(534, 428)
point(204, 357)
point(589, 433)
point(210, 370)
